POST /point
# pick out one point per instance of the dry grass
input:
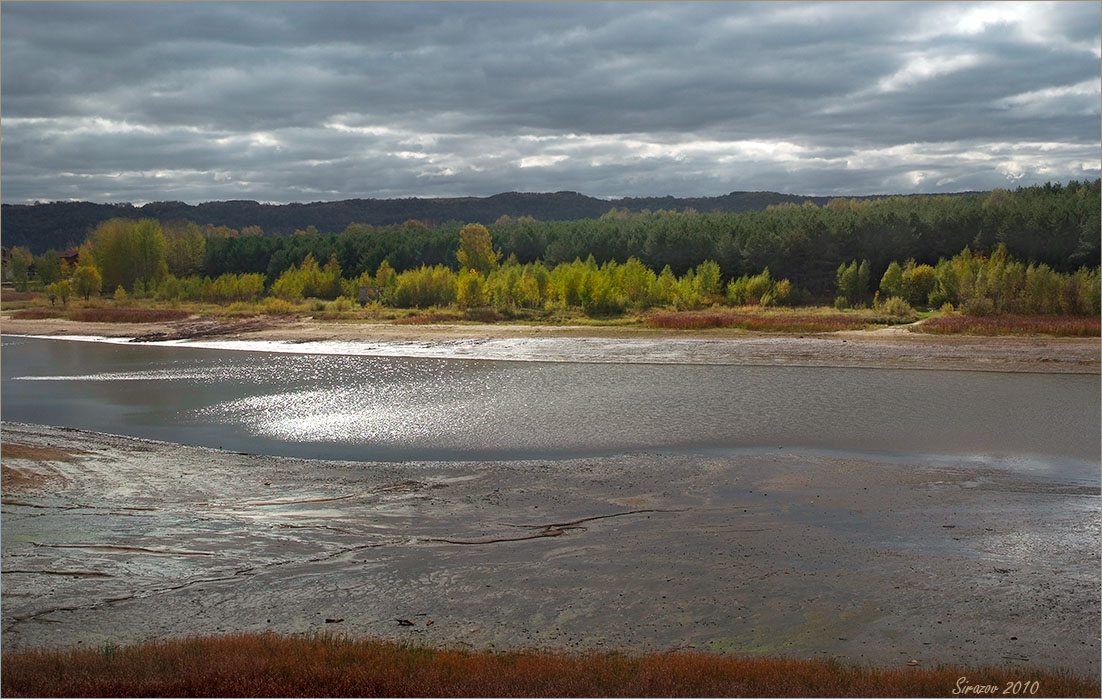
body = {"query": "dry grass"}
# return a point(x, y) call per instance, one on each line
point(37, 313)
point(271, 665)
point(13, 295)
point(1060, 326)
point(104, 315)
point(127, 315)
point(428, 318)
point(766, 321)
point(476, 315)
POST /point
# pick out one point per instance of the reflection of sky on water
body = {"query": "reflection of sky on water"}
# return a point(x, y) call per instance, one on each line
point(200, 375)
point(363, 414)
point(405, 408)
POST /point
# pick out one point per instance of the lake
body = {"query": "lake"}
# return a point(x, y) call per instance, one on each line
point(386, 408)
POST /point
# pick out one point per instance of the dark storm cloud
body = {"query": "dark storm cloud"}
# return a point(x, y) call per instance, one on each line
point(311, 101)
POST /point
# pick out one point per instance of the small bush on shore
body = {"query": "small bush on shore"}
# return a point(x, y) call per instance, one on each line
point(276, 306)
point(897, 307)
point(339, 305)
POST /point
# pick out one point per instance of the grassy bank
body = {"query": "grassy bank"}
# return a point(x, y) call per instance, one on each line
point(270, 665)
point(104, 315)
point(803, 319)
point(1058, 326)
point(794, 320)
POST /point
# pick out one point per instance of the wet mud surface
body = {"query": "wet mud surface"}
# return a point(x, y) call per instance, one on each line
point(114, 539)
point(894, 347)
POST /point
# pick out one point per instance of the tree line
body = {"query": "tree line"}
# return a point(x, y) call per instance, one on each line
point(142, 259)
point(1054, 225)
point(975, 284)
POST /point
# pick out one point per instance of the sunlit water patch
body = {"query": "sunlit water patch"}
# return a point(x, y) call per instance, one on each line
point(342, 406)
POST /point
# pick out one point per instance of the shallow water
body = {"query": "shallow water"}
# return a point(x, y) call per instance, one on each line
point(389, 408)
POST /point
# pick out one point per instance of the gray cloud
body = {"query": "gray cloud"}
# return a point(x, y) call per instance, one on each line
point(315, 101)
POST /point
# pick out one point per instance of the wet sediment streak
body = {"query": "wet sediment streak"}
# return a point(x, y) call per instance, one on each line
point(751, 554)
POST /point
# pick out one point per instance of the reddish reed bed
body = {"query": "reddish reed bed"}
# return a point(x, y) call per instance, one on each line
point(766, 322)
point(271, 665)
point(1060, 326)
point(37, 313)
point(12, 295)
point(127, 315)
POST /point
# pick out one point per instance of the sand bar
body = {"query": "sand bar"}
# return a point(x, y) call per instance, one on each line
point(886, 348)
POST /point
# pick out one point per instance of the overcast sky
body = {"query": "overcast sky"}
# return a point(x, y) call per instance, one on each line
point(286, 102)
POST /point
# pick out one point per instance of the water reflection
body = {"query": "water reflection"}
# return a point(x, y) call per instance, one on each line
point(362, 407)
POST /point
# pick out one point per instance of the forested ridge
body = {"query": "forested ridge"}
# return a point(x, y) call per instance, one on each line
point(61, 225)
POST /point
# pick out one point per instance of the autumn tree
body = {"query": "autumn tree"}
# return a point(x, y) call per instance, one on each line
point(891, 284)
point(706, 281)
point(60, 290)
point(20, 268)
point(87, 280)
point(47, 267)
point(470, 289)
point(186, 248)
point(128, 251)
point(918, 282)
point(476, 250)
point(852, 282)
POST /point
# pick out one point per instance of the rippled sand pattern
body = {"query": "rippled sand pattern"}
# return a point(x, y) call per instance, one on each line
point(767, 553)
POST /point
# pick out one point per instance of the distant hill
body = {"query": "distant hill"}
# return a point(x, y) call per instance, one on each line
point(61, 225)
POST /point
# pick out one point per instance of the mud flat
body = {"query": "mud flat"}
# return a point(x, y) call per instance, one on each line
point(113, 539)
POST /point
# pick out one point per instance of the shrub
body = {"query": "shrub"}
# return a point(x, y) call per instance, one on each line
point(980, 306)
point(340, 305)
point(239, 308)
point(897, 307)
point(276, 306)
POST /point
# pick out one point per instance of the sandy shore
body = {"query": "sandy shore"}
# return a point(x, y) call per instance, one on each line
point(113, 539)
point(889, 348)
